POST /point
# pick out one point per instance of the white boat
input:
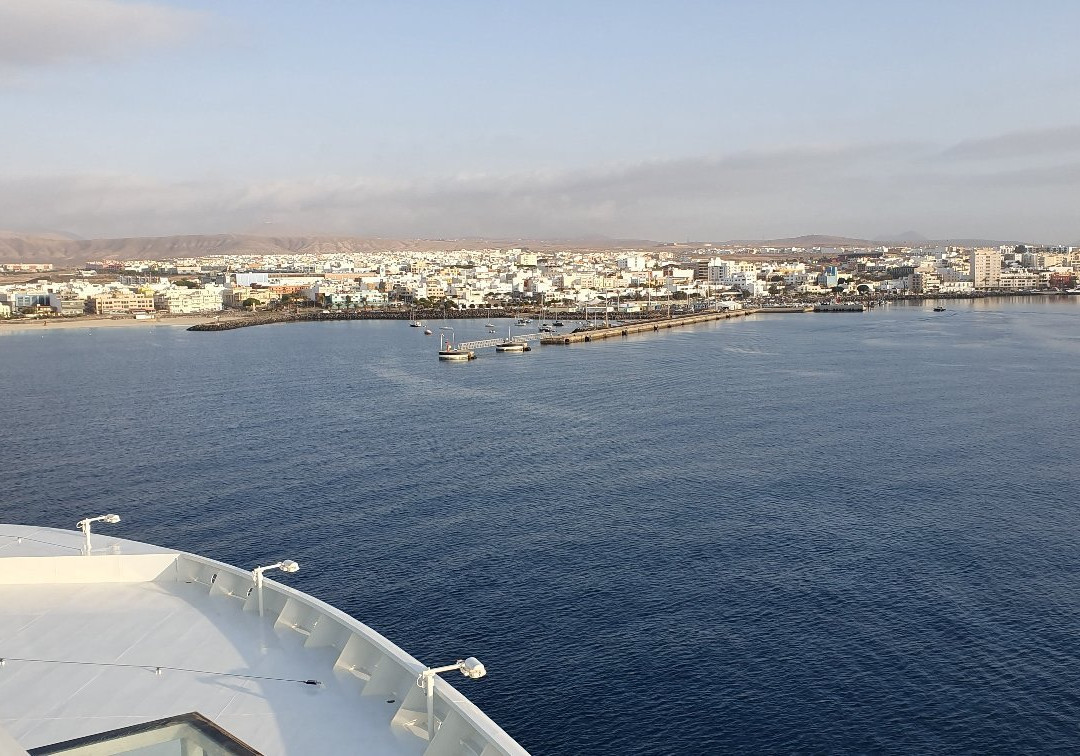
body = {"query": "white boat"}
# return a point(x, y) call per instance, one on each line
point(416, 324)
point(839, 307)
point(456, 355)
point(510, 345)
point(447, 351)
point(427, 331)
point(127, 647)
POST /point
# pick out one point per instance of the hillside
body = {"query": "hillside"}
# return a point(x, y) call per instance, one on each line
point(64, 252)
point(818, 240)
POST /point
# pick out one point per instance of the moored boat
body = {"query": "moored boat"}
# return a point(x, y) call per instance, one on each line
point(510, 345)
point(840, 307)
point(447, 351)
point(459, 355)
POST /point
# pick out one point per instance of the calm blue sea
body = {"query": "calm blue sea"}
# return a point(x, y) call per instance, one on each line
point(844, 533)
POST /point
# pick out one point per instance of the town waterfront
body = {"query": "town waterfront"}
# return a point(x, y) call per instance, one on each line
point(810, 532)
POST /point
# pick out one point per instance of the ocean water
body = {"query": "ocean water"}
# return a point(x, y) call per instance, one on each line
point(844, 533)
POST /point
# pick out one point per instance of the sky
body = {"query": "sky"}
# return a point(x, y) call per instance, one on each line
point(669, 121)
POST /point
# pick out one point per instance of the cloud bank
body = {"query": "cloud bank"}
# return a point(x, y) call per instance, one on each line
point(855, 190)
point(37, 33)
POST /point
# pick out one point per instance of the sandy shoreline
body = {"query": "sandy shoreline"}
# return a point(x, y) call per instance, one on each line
point(91, 321)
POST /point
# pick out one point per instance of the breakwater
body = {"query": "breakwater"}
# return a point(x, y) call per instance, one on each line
point(311, 316)
point(626, 329)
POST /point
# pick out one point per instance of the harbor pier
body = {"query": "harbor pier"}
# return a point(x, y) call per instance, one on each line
point(643, 326)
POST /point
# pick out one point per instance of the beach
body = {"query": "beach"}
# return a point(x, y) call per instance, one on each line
point(101, 321)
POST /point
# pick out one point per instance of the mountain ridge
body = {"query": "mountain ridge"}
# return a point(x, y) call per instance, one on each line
point(63, 251)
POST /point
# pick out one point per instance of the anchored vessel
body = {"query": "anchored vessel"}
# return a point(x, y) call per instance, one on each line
point(840, 307)
point(510, 345)
point(447, 351)
point(113, 645)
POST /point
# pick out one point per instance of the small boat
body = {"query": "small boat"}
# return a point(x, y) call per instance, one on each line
point(427, 331)
point(447, 351)
point(840, 307)
point(510, 345)
point(939, 309)
point(489, 325)
point(459, 355)
point(416, 324)
point(558, 324)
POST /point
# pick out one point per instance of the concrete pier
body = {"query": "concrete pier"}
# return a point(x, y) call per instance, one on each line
point(641, 327)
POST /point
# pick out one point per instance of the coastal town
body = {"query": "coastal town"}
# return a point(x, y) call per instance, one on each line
point(617, 281)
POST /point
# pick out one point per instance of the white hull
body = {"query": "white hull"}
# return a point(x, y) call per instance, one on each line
point(134, 633)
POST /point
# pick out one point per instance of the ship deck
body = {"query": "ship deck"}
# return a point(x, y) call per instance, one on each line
point(90, 644)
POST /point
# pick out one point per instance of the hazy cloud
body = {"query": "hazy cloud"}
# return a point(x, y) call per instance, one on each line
point(44, 32)
point(1018, 144)
point(858, 190)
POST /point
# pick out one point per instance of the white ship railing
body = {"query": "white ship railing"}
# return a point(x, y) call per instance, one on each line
point(379, 667)
point(353, 650)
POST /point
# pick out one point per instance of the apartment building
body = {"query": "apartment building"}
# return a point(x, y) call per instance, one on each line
point(120, 300)
point(985, 269)
point(182, 300)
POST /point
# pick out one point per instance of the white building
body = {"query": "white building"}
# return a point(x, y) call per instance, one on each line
point(183, 300)
point(633, 263)
point(985, 268)
point(749, 282)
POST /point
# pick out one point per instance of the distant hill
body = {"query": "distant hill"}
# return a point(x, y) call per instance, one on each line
point(66, 252)
point(811, 240)
point(817, 240)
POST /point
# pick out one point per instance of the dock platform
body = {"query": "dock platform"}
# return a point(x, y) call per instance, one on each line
point(641, 327)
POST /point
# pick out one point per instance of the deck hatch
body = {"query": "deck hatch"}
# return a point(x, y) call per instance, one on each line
point(189, 733)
